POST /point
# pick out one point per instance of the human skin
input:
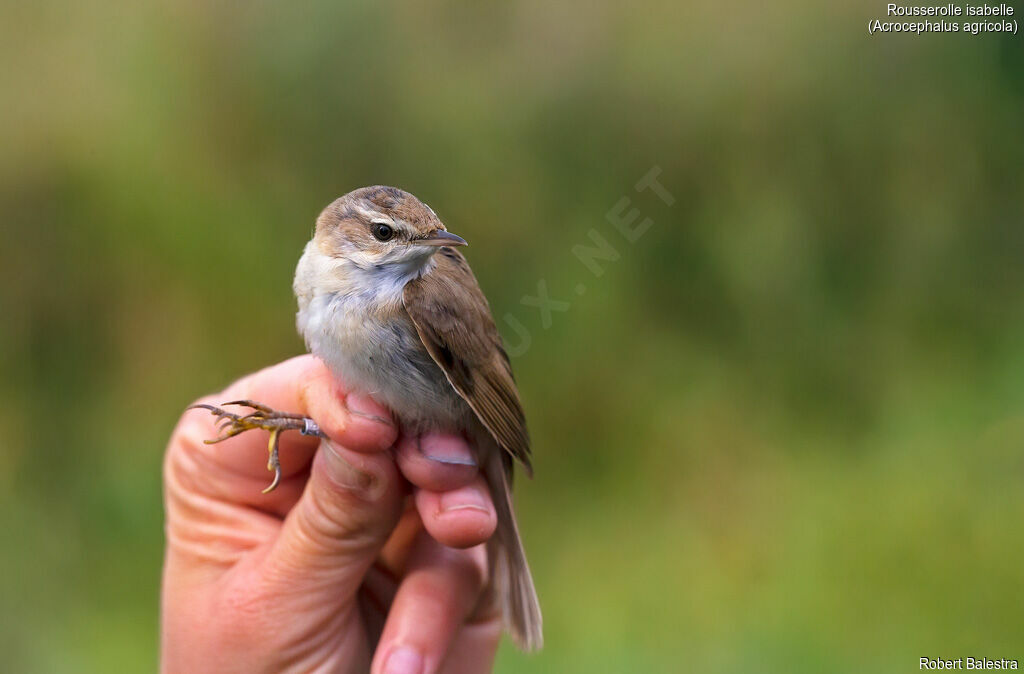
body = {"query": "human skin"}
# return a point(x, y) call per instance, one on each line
point(369, 556)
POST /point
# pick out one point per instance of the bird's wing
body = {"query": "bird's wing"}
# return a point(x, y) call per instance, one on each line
point(454, 321)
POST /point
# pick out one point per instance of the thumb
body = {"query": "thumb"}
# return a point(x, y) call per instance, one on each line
point(332, 536)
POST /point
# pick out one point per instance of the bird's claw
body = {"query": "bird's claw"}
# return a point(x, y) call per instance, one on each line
point(265, 418)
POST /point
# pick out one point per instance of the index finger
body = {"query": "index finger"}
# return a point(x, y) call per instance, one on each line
point(302, 386)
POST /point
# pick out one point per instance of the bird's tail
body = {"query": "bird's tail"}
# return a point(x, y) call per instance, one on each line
point(512, 580)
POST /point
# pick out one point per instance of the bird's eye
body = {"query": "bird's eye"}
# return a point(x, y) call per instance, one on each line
point(382, 232)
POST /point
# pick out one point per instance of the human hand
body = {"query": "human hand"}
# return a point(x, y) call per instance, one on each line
point(336, 570)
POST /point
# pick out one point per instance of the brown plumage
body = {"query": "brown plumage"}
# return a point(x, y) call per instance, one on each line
point(454, 321)
point(396, 313)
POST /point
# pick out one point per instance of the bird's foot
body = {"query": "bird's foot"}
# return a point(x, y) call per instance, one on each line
point(264, 418)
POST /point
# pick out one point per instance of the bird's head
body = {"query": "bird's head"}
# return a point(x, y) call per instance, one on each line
point(378, 227)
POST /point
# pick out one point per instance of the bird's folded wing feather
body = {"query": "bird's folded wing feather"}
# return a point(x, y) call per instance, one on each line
point(454, 321)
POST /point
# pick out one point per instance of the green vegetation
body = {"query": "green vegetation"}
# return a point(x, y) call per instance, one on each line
point(783, 432)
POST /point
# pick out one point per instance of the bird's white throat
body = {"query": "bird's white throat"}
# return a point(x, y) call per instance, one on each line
point(353, 317)
point(375, 282)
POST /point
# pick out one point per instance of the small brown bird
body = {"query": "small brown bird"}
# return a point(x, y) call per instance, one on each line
point(395, 312)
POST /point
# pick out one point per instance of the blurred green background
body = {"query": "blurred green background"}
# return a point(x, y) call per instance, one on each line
point(783, 432)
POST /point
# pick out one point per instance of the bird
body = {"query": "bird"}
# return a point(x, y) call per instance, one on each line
point(390, 305)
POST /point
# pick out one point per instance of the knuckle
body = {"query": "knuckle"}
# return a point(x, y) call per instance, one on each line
point(335, 514)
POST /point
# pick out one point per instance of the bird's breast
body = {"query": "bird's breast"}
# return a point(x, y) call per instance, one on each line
point(374, 348)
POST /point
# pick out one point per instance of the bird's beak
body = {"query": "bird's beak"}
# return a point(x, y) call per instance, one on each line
point(442, 238)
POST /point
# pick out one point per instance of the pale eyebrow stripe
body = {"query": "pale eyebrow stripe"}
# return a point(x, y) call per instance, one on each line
point(374, 216)
point(378, 217)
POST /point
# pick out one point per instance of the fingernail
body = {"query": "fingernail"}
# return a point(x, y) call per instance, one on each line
point(403, 660)
point(342, 472)
point(467, 498)
point(446, 449)
point(365, 407)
